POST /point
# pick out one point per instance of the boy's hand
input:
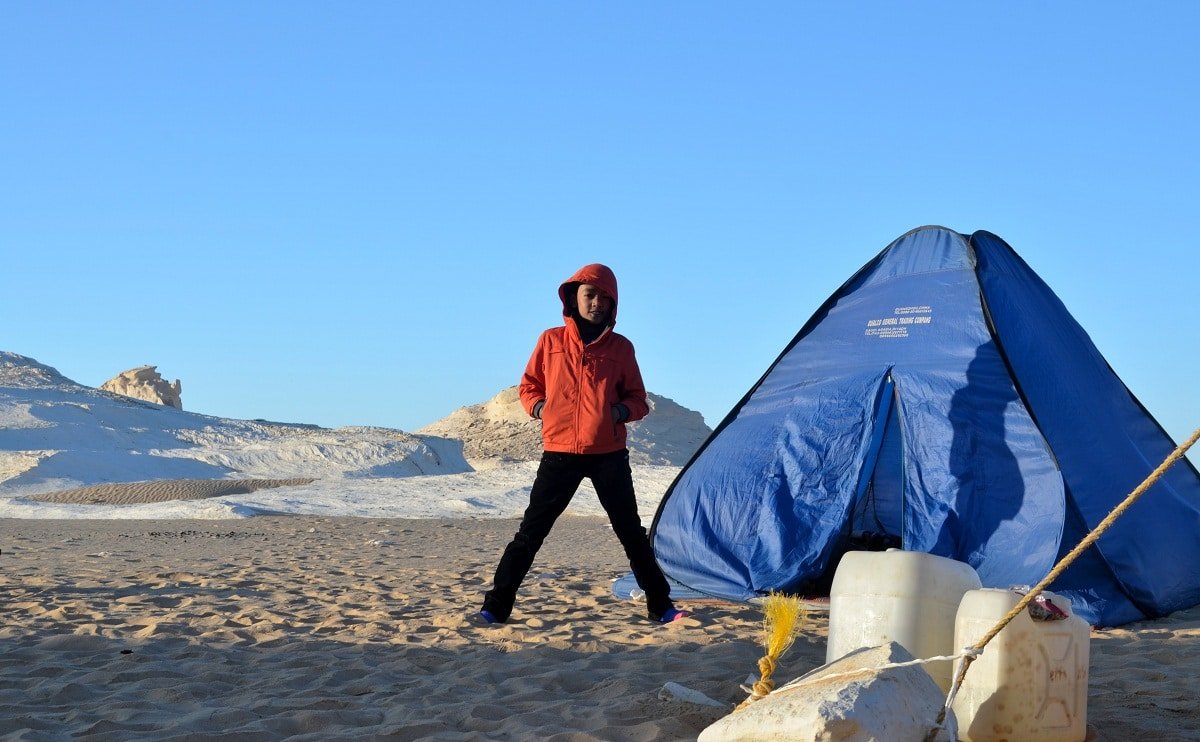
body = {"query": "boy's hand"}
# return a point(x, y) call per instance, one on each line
point(537, 409)
point(620, 413)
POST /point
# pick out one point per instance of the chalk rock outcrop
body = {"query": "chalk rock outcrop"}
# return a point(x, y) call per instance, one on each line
point(144, 382)
point(499, 430)
point(23, 372)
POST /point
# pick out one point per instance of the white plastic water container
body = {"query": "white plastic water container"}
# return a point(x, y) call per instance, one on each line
point(904, 596)
point(1030, 683)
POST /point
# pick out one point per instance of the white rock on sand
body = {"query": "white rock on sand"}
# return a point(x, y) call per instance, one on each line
point(834, 703)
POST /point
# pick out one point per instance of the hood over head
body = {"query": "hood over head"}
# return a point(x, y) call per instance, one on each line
point(597, 275)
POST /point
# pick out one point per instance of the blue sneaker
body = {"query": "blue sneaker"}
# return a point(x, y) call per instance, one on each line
point(671, 615)
point(488, 616)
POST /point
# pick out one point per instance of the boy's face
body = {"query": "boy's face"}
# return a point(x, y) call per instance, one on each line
point(592, 303)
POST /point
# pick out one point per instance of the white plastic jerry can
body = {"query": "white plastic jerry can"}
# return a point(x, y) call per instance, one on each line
point(1030, 683)
point(908, 597)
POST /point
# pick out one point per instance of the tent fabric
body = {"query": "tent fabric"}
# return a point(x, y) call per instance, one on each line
point(942, 399)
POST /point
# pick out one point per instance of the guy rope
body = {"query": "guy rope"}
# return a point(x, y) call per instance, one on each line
point(970, 653)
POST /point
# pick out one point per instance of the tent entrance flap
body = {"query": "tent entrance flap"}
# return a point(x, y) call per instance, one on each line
point(877, 517)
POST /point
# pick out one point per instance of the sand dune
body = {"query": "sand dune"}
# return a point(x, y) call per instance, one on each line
point(267, 628)
point(136, 493)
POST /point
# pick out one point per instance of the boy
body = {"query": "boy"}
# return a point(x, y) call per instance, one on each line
point(584, 384)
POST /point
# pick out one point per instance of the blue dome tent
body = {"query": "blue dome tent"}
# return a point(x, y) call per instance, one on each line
point(942, 400)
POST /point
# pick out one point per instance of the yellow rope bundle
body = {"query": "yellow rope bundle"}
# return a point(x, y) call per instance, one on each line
point(782, 617)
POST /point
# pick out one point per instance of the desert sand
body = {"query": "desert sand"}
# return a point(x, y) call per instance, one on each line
point(134, 493)
point(339, 628)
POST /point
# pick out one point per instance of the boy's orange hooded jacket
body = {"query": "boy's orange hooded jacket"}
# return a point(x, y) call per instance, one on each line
point(581, 384)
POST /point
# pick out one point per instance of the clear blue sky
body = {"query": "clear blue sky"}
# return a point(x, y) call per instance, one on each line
point(357, 213)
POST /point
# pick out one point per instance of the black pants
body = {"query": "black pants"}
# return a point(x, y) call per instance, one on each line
point(558, 477)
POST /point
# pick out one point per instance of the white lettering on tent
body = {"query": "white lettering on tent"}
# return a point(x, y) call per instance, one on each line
point(897, 325)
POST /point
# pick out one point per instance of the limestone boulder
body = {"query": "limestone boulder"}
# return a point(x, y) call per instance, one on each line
point(848, 699)
point(145, 383)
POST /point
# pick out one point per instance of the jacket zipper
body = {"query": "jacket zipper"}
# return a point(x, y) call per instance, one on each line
point(579, 396)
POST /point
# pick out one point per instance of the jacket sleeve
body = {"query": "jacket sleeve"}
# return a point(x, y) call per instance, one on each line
point(533, 382)
point(633, 389)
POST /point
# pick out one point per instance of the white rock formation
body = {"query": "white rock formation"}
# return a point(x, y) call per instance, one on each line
point(500, 430)
point(670, 434)
point(23, 372)
point(56, 434)
point(144, 382)
point(830, 704)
